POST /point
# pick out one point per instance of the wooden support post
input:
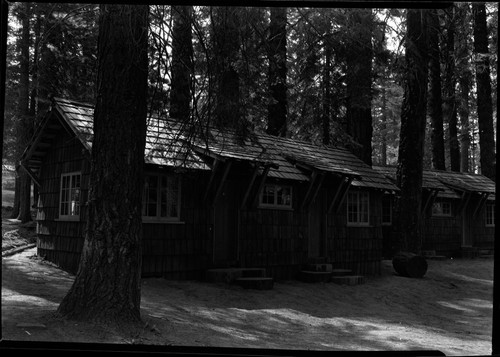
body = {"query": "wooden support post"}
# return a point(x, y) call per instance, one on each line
point(464, 202)
point(222, 181)
point(250, 185)
point(337, 193)
point(31, 174)
point(312, 181)
point(211, 180)
point(261, 185)
point(480, 204)
point(344, 194)
point(313, 197)
point(430, 200)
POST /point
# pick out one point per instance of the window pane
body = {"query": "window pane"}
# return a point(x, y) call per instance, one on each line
point(268, 194)
point(352, 207)
point(364, 207)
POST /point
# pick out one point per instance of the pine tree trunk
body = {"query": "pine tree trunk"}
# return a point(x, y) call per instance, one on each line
point(226, 43)
point(107, 286)
point(484, 102)
point(327, 87)
point(464, 75)
point(450, 101)
point(383, 128)
point(25, 121)
point(182, 66)
point(463, 111)
point(413, 120)
point(359, 83)
point(277, 108)
point(434, 98)
point(17, 184)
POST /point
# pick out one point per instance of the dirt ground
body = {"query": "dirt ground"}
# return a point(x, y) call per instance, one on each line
point(449, 310)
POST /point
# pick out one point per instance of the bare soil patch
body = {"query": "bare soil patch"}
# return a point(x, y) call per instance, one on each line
point(449, 310)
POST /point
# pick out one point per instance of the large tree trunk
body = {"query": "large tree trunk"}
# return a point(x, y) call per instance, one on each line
point(450, 101)
point(359, 83)
point(226, 43)
point(25, 122)
point(413, 119)
point(107, 286)
point(327, 102)
point(182, 64)
point(484, 102)
point(435, 99)
point(277, 108)
point(464, 75)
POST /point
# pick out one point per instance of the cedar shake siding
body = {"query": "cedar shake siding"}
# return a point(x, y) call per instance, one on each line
point(270, 202)
point(455, 217)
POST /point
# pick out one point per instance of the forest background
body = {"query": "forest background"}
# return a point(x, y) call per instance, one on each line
point(331, 76)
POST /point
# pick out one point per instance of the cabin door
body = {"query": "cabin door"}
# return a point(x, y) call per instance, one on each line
point(315, 224)
point(226, 226)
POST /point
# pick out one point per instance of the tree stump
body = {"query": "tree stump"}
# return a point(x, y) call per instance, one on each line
point(409, 265)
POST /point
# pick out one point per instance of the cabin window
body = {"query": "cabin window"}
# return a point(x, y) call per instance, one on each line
point(490, 215)
point(358, 203)
point(441, 209)
point(386, 210)
point(69, 201)
point(161, 197)
point(276, 196)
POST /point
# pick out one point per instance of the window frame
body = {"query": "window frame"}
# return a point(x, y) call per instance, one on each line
point(275, 204)
point(442, 213)
point(70, 217)
point(489, 214)
point(158, 218)
point(358, 222)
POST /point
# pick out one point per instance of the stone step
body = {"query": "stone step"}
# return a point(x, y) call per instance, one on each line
point(258, 283)
point(315, 276)
point(229, 275)
point(341, 272)
point(348, 279)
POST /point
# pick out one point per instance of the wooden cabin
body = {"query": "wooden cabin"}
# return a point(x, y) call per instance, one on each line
point(458, 213)
point(215, 200)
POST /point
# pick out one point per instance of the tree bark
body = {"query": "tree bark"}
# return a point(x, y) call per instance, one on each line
point(107, 286)
point(359, 83)
point(25, 123)
point(277, 108)
point(182, 64)
point(484, 102)
point(327, 70)
point(434, 98)
point(464, 74)
point(412, 135)
point(450, 100)
point(226, 43)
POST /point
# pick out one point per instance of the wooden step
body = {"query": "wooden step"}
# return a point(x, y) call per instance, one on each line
point(348, 279)
point(229, 275)
point(341, 272)
point(258, 283)
point(318, 267)
point(315, 276)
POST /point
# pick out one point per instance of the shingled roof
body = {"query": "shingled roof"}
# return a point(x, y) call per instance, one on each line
point(168, 143)
point(450, 184)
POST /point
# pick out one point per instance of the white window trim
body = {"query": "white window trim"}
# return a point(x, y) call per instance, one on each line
point(69, 217)
point(492, 205)
point(358, 223)
point(157, 218)
point(275, 205)
point(442, 214)
point(389, 223)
